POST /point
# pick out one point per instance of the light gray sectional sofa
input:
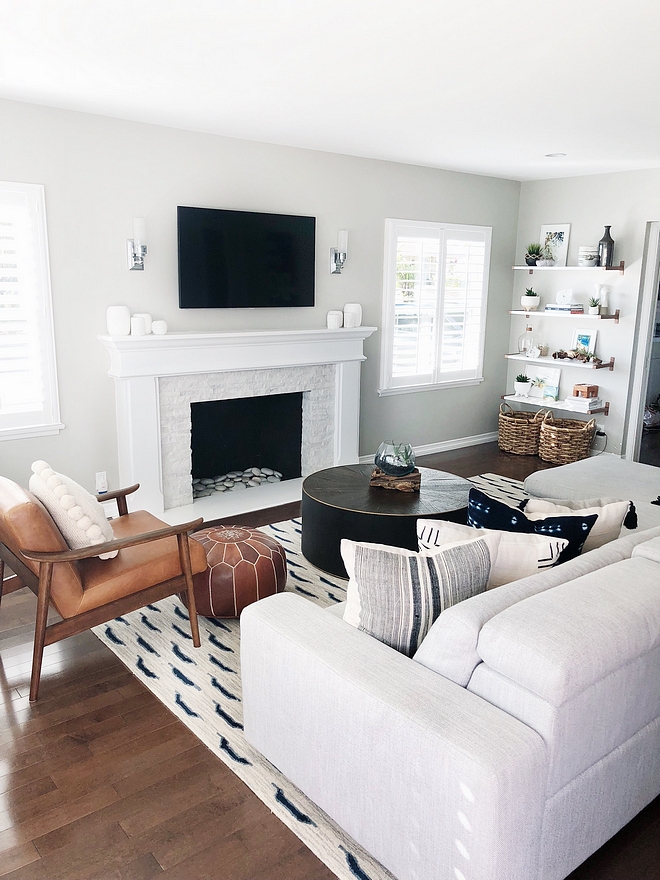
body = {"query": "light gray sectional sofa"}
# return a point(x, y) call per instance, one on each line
point(523, 734)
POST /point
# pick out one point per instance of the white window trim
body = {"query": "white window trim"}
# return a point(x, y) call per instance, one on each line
point(50, 423)
point(387, 386)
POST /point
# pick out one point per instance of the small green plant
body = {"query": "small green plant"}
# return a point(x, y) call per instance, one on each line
point(521, 377)
point(530, 292)
point(534, 250)
point(594, 302)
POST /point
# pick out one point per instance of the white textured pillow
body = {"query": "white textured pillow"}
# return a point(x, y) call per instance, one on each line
point(611, 514)
point(77, 514)
point(395, 594)
point(518, 555)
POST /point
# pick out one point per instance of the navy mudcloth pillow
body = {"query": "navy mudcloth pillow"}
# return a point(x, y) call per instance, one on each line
point(488, 513)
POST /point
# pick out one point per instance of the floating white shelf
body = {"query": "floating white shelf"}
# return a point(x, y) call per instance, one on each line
point(554, 404)
point(562, 362)
point(531, 314)
point(531, 269)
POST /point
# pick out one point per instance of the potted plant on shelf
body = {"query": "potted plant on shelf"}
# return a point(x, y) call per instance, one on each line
point(594, 306)
point(547, 257)
point(521, 385)
point(533, 253)
point(530, 300)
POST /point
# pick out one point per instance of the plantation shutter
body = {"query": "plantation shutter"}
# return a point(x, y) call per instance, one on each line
point(28, 387)
point(436, 284)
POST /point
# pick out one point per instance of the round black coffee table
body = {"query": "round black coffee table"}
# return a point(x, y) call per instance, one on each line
point(339, 503)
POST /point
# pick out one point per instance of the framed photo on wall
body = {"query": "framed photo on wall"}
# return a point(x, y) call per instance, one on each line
point(585, 339)
point(555, 236)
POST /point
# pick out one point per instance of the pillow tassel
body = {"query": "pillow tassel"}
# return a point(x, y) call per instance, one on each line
point(630, 522)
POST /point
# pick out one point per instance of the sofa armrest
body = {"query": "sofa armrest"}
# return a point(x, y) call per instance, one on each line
point(425, 775)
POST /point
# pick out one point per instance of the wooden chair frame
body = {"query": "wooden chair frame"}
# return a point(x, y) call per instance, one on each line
point(69, 626)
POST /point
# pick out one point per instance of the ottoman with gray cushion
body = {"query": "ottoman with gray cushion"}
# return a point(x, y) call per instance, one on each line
point(602, 476)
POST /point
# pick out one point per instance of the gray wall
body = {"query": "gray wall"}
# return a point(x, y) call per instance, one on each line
point(99, 173)
point(627, 201)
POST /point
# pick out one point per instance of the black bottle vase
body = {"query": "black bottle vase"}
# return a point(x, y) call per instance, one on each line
point(606, 249)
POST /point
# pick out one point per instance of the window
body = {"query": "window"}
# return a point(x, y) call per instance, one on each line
point(28, 383)
point(434, 305)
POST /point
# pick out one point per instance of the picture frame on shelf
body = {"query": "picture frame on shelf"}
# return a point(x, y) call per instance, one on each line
point(585, 339)
point(545, 382)
point(555, 236)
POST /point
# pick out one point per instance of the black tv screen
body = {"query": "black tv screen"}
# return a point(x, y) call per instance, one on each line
point(244, 260)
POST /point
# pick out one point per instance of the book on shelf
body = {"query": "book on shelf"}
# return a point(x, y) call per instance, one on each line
point(583, 404)
point(569, 308)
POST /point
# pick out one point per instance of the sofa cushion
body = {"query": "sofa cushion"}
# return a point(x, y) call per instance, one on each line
point(583, 655)
point(612, 515)
point(518, 555)
point(489, 513)
point(77, 513)
point(648, 549)
point(395, 594)
point(450, 648)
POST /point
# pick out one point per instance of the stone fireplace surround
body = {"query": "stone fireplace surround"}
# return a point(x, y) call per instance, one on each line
point(157, 377)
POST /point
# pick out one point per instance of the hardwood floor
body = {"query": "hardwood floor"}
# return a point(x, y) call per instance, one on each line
point(98, 781)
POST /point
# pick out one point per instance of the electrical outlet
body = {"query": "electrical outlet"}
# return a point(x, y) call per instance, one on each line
point(101, 482)
point(600, 427)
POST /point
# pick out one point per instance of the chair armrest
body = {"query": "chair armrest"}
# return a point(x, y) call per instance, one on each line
point(108, 546)
point(120, 495)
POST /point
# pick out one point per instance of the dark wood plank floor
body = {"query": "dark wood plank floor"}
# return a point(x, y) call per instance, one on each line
point(99, 781)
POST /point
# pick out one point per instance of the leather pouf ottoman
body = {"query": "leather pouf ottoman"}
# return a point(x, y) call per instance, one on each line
point(243, 565)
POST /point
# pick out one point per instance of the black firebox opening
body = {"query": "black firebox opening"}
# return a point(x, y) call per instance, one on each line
point(245, 432)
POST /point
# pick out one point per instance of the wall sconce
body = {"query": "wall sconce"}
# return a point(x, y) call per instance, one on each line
point(135, 246)
point(338, 254)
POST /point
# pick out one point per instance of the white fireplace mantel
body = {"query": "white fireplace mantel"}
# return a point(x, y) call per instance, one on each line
point(138, 362)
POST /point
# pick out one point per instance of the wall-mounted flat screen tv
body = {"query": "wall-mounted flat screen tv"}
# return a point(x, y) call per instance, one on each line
point(244, 260)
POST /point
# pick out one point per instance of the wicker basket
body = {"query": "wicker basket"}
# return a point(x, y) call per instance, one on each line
point(563, 441)
point(519, 431)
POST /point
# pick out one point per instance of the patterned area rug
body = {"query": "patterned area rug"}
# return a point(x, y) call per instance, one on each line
point(203, 688)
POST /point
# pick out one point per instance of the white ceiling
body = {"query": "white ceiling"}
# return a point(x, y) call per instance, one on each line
point(485, 86)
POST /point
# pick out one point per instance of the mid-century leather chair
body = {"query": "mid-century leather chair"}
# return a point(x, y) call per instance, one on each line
point(154, 561)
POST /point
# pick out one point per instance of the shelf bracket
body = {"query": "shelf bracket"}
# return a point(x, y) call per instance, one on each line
point(614, 317)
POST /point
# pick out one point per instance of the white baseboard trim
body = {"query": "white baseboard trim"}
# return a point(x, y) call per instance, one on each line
point(444, 445)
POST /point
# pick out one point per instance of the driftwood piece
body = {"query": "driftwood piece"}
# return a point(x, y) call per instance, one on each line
point(408, 483)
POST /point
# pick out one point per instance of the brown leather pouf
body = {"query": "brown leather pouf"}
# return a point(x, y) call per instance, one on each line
point(243, 565)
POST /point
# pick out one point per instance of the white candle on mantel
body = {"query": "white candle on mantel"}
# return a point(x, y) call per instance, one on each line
point(342, 241)
point(138, 231)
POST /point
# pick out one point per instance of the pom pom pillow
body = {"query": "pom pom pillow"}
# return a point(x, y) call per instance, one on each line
point(488, 513)
point(518, 555)
point(612, 515)
point(395, 595)
point(77, 514)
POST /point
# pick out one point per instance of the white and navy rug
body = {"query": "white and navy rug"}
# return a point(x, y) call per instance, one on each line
point(202, 687)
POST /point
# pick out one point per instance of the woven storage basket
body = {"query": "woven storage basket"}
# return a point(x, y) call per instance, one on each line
point(519, 431)
point(563, 441)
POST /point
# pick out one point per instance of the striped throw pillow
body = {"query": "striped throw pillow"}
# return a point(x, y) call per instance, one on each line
point(395, 595)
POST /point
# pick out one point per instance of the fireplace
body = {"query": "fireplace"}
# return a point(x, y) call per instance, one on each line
point(233, 440)
point(158, 378)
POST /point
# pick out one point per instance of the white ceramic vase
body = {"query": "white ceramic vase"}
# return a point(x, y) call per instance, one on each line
point(334, 319)
point(352, 315)
point(147, 320)
point(118, 320)
point(159, 328)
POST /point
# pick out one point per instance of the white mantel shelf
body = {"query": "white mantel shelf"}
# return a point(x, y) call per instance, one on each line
point(178, 353)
